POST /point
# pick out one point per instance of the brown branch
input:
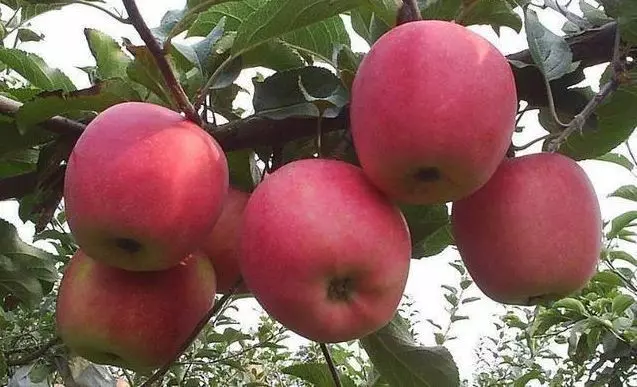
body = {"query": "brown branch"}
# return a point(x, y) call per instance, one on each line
point(26, 359)
point(159, 54)
point(198, 328)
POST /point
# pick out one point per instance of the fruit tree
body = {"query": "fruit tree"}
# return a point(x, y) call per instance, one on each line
point(293, 162)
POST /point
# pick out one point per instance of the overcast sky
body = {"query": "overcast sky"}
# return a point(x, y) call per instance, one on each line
point(65, 47)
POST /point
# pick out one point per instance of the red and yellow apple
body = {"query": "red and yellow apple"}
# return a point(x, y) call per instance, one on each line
point(324, 251)
point(433, 111)
point(143, 185)
point(533, 232)
point(135, 320)
point(223, 244)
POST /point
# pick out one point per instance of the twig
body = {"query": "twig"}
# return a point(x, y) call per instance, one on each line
point(577, 123)
point(331, 365)
point(115, 16)
point(158, 52)
point(26, 359)
point(198, 328)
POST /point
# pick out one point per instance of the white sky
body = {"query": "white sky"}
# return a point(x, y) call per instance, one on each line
point(65, 48)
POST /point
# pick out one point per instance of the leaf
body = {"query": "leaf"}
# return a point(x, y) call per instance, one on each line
point(168, 22)
point(470, 299)
point(28, 35)
point(440, 9)
point(458, 317)
point(235, 12)
point(385, 10)
point(111, 60)
point(368, 24)
point(280, 96)
point(623, 256)
point(278, 17)
point(608, 278)
point(144, 71)
point(437, 242)
point(618, 159)
point(423, 222)
point(551, 53)
point(620, 222)
point(572, 305)
point(496, 13)
point(275, 54)
point(628, 192)
point(595, 16)
point(26, 272)
point(621, 302)
point(523, 380)
point(320, 39)
point(96, 98)
point(627, 21)
point(318, 374)
point(403, 362)
point(35, 70)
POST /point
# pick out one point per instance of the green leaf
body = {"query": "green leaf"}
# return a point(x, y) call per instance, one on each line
point(275, 54)
point(368, 24)
point(280, 95)
point(110, 58)
point(551, 53)
point(523, 380)
point(144, 71)
point(621, 302)
point(403, 362)
point(622, 256)
point(628, 192)
point(440, 9)
point(278, 17)
point(571, 304)
point(618, 159)
point(595, 16)
point(25, 271)
point(96, 98)
point(385, 10)
point(235, 12)
point(28, 35)
point(627, 21)
point(18, 162)
point(318, 374)
point(470, 299)
point(608, 278)
point(620, 222)
point(424, 222)
point(3, 361)
point(13, 140)
point(436, 242)
point(496, 13)
point(168, 22)
point(320, 39)
point(35, 70)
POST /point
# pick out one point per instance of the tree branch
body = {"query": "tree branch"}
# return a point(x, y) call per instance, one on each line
point(159, 54)
point(330, 364)
point(26, 359)
point(57, 124)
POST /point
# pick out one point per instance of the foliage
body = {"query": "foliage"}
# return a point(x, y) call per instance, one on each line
point(305, 49)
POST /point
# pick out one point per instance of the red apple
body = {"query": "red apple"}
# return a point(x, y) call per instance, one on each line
point(135, 320)
point(324, 251)
point(143, 186)
point(223, 243)
point(433, 111)
point(533, 232)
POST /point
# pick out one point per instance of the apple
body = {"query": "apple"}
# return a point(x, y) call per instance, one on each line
point(432, 112)
point(533, 233)
point(136, 320)
point(324, 251)
point(223, 244)
point(143, 186)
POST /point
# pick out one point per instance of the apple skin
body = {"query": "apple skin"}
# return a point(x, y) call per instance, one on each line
point(143, 185)
point(533, 232)
point(324, 251)
point(135, 320)
point(433, 112)
point(223, 244)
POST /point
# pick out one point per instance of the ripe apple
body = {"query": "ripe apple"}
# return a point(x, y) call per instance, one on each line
point(324, 251)
point(433, 111)
point(223, 244)
point(143, 185)
point(135, 320)
point(533, 232)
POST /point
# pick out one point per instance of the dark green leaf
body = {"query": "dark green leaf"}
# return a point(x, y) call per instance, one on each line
point(403, 362)
point(551, 53)
point(96, 98)
point(280, 95)
point(27, 35)
point(35, 70)
point(440, 9)
point(110, 58)
point(18, 162)
point(275, 54)
point(470, 299)
point(621, 302)
point(496, 13)
point(319, 39)
point(424, 222)
point(13, 140)
point(368, 24)
point(25, 271)
point(608, 278)
point(628, 192)
point(318, 374)
point(235, 12)
point(278, 17)
point(144, 71)
point(523, 380)
point(620, 222)
point(595, 16)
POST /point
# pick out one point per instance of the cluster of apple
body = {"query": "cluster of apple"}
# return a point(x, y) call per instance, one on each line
point(320, 243)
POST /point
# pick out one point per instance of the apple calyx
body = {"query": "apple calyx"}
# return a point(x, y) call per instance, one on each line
point(128, 245)
point(340, 289)
point(428, 174)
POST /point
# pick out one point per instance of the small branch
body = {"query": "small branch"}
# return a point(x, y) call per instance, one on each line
point(330, 364)
point(158, 52)
point(198, 328)
point(115, 16)
point(26, 359)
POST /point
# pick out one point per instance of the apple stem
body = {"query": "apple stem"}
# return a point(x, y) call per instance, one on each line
point(158, 52)
point(408, 12)
point(218, 306)
point(330, 364)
